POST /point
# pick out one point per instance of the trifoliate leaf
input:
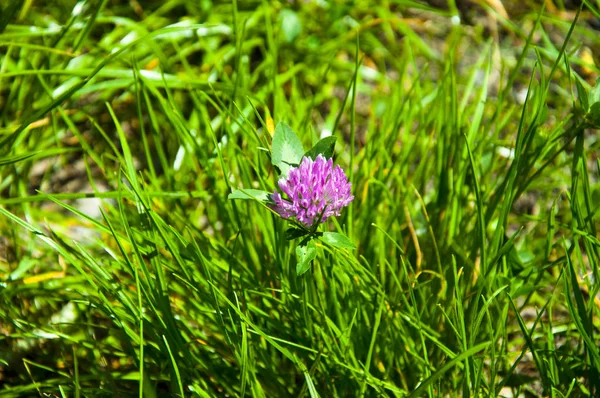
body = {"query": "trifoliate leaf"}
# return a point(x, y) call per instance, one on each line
point(594, 96)
point(293, 233)
point(594, 114)
point(287, 149)
point(337, 240)
point(325, 147)
point(306, 252)
point(251, 194)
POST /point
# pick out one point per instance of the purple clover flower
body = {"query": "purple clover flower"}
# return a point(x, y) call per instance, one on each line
point(315, 191)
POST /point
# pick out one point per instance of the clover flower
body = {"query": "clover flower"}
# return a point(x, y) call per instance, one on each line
point(315, 191)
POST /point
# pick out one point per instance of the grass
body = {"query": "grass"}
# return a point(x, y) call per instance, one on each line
point(470, 137)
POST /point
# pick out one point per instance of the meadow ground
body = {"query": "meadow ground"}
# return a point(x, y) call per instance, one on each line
point(468, 130)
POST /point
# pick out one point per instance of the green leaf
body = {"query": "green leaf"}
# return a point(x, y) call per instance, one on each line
point(290, 24)
point(306, 252)
point(594, 114)
point(337, 240)
point(324, 147)
point(251, 194)
point(287, 149)
point(594, 96)
point(293, 233)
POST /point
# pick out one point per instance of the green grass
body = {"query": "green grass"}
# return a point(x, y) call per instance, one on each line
point(473, 152)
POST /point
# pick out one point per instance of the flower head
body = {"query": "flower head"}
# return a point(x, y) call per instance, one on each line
point(315, 191)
